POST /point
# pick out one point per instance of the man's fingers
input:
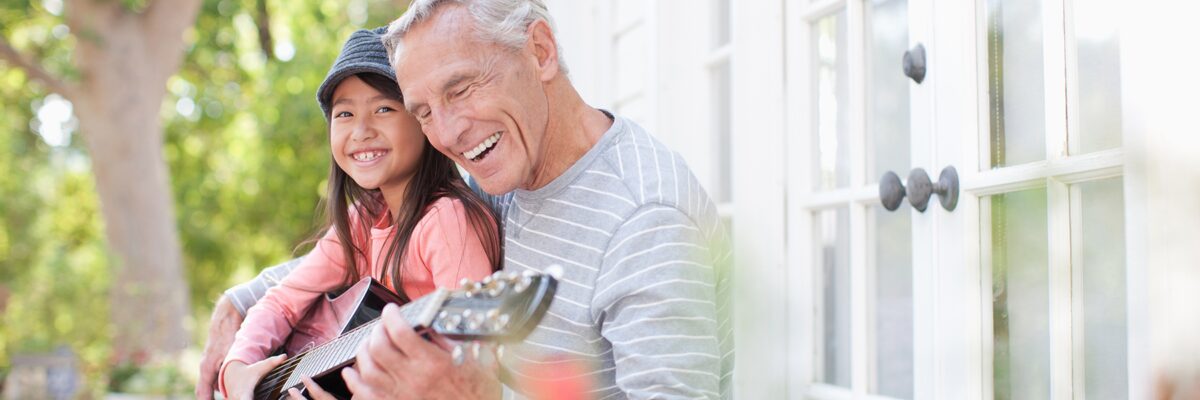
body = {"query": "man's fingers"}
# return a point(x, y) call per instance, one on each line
point(207, 381)
point(380, 349)
point(355, 383)
point(445, 343)
point(314, 390)
point(401, 335)
point(294, 394)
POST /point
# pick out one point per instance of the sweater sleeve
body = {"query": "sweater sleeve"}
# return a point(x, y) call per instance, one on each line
point(269, 322)
point(244, 296)
point(656, 303)
point(447, 248)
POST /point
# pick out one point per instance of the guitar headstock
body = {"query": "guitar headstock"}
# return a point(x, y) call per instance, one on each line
point(503, 307)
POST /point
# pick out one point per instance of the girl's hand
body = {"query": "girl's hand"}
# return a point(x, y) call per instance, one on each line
point(240, 378)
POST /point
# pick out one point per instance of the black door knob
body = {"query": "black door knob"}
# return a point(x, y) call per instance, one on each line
point(920, 189)
point(891, 191)
point(914, 63)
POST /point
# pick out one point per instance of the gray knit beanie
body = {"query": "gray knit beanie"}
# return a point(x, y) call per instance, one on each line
point(363, 52)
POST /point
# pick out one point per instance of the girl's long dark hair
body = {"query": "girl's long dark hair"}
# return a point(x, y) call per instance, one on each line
point(436, 177)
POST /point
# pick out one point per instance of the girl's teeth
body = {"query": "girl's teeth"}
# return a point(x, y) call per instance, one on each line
point(368, 156)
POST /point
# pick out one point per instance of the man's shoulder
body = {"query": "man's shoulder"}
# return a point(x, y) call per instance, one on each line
point(650, 173)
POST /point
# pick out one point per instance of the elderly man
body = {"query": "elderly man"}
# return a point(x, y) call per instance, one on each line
point(642, 307)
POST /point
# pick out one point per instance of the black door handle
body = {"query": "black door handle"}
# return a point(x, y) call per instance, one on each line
point(919, 190)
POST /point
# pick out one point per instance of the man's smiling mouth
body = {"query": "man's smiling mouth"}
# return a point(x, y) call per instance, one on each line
point(482, 149)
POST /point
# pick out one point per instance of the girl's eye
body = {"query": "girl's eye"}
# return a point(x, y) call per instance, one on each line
point(343, 114)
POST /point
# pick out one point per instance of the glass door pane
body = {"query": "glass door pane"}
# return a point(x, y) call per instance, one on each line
point(833, 103)
point(1100, 294)
point(892, 320)
point(1098, 74)
point(1015, 82)
point(833, 252)
point(1020, 295)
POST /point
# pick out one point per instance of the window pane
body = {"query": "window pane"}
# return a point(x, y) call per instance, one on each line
point(893, 304)
point(887, 88)
point(1020, 296)
point(1102, 277)
point(721, 23)
point(832, 105)
point(1099, 75)
point(1017, 115)
point(833, 253)
point(721, 123)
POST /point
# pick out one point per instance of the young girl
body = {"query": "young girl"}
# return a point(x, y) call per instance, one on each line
point(399, 211)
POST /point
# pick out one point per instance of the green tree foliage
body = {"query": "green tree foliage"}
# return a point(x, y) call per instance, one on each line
point(245, 141)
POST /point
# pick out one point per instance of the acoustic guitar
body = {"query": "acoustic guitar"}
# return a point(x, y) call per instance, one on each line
point(502, 308)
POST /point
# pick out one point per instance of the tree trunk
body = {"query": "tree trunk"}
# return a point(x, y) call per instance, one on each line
point(125, 59)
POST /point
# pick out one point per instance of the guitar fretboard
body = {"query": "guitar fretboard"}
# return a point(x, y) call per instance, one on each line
point(340, 351)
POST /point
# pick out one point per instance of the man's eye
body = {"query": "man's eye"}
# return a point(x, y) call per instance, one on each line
point(464, 91)
point(343, 114)
point(385, 109)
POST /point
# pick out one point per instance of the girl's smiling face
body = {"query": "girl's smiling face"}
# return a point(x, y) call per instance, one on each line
point(373, 139)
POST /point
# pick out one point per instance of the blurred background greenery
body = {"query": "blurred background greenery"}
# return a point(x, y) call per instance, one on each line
point(245, 143)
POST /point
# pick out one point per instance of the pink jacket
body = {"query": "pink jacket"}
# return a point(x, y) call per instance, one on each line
point(442, 250)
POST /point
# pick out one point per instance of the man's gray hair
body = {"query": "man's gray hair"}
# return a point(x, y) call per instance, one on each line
point(503, 22)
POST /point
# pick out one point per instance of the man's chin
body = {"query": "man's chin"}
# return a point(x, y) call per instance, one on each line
point(494, 186)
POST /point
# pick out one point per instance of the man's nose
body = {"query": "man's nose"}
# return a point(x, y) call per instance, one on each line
point(450, 127)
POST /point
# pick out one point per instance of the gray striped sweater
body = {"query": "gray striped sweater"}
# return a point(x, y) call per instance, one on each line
point(644, 301)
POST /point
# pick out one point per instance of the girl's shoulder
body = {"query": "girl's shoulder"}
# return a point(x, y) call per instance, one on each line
point(444, 207)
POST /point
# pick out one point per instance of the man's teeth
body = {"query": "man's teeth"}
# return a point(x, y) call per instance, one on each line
point(487, 144)
point(368, 155)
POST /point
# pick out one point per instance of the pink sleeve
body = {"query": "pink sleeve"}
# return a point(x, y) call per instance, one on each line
point(269, 322)
point(448, 247)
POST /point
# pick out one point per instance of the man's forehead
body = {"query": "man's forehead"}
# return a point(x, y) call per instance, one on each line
point(439, 49)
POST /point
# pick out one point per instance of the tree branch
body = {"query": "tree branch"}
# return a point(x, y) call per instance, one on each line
point(35, 71)
point(263, 20)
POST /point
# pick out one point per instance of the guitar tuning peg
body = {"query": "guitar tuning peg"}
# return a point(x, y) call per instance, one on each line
point(475, 321)
point(464, 283)
point(504, 276)
point(496, 321)
point(495, 288)
point(555, 271)
point(522, 284)
point(457, 355)
point(452, 322)
point(472, 288)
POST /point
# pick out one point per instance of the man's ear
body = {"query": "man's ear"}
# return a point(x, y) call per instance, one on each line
point(544, 47)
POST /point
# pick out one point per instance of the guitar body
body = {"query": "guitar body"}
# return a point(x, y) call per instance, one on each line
point(334, 316)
